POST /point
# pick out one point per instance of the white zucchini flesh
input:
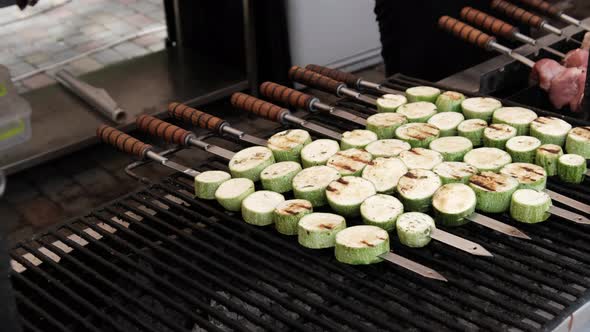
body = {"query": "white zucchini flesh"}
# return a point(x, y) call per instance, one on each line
point(206, 183)
point(346, 194)
point(496, 135)
point(358, 138)
point(419, 111)
point(360, 245)
point(286, 145)
point(422, 93)
point(480, 108)
point(452, 203)
point(258, 207)
point(384, 173)
point(530, 206)
point(381, 211)
point(529, 176)
point(493, 191)
point(449, 101)
point(517, 117)
point(288, 213)
point(249, 162)
point(385, 124)
point(416, 189)
point(523, 148)
point(279, 177)
point(350, 162)
point(318, 230)
point(311, 183)
point(318, 152)
point(414, 229)
point(447, 122)
point(487, 159)
point(390, 102)
point(418, 135)
point(571, 168)
point(473, 130)
point(546, 156)
point(421, 158)
point(578, 141)
point(452, 148)
point(232, 192)
point(454, 172)
point(550, 130)
point(387, 147)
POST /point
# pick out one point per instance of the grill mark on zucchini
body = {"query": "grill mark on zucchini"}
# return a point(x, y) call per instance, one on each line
point(545, 119)
point(487, 182)
point(369, 244)
point(421, 133)
point(549, 150)
point(326, 226)
point(414, 151)
point(584, 132)
point(341, 180)
point(295, 208)
point(500, 128)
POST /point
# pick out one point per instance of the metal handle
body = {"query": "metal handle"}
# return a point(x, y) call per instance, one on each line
point(335, 74)
point(286, 95)
point(465, 31)
point(196, 117)
point(488, 22)
point(315, 80)
point(122, 141)
point(517, 13)
point(163, 129)
point(543, 7)
point(259, 107)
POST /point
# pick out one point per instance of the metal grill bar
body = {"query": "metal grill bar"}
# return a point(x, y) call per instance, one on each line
point(32, 306)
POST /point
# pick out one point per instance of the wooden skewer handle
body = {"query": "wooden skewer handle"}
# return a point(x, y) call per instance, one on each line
point(258, 106)
point(285, 95)
point(194, 116)
point(122, 141)
point(313, 79)
point(465, 31)
point(335, 74)
point(488, 22)
point(543, 6)
point(517, 13)
point(163, 129)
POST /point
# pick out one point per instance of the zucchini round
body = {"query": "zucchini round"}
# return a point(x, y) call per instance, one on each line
point(350, 162)
point(258, 207)
point(310, 184)
point(232, 192)
point(384, 173)
point(578, 141)
point(496, 135)
point(346, 194)
point(418, 135)
point(529, 176)
point(530, 206)
point(387, 147)
point(447, 122)
point(390, 102)
point(249, 162)
point(419, 111)
point(452, 148)
point(318, 152)
point(381, 211)
point(452, 203)
point(454, 172)
point(358, 138)
point(286, 145)
point(206, 183)
point(318, 230)
point(360, 245)
point(487, 159)
point(571, 168)
point(546, 156)
point(414, 229)
point(449, 101)
point(518, 117)
point(550, 130)
point(279, 177)
point(287, 214)
point(416, 189)
point(422, 93)
point(473, 130)
point(421, 158)
point(480, 108)
point(523, 148)
point(385, 124)
point(493, 191)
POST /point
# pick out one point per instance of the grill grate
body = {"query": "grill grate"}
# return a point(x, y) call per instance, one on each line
point(159, 260)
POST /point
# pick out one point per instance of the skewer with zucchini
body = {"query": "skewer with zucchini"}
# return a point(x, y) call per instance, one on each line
point(387, 147)
point(421, 158)
point(449, 101)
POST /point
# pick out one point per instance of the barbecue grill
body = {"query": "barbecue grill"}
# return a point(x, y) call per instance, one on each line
point(160, 260)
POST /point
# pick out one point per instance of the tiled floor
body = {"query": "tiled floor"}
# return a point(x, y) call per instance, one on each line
point(57, 30)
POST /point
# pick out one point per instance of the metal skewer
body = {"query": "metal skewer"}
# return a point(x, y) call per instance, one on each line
point(415, 267)
point(298, 99)
point(277, 114)
point(554, 11)
point(460, 243)
point(501, 28)
point(568, 201)
point(527, 18)
point(497, 225)
point(572, 216)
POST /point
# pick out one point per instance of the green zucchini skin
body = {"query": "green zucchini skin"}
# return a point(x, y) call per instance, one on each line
point(419, 111)
point(418, 135)
point(449, 101)
point(523, 149)
point(496, 135)
point(414, 229)
point(357, 139)
point(578, 141)
point(480, 108)
point(276, 178)
point(527, 212)
point(493, 191)
point(381, 211)
point(385, 124)
point(262, 216)
point(529, 176)
point(463, 199)
point(422, 93)
point(287, 145)
point(260, 157)
point(318, 152)
point(416, 188)
point(517, 117)
point(454, 172)
point(206, 183)
point(387, 148)
point(452, 148)
point(234, 202)
point(318, 230)
point(550, 130)
point(310, 184)
point(286, 215)
point(546, 156)
point(473, 130)
point(341, 194)
point(361, 248)
point(390, 103)
point(447, 122)
point(571, 168)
